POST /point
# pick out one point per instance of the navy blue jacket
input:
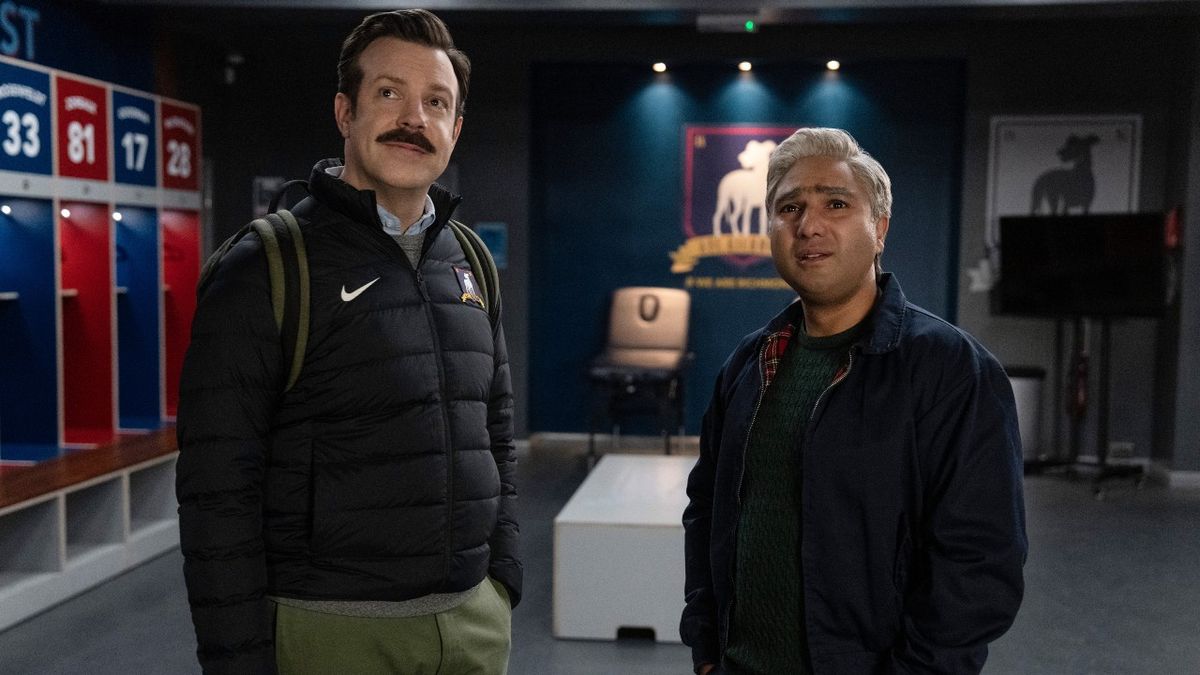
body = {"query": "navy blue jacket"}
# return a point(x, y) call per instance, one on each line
point(913, 522)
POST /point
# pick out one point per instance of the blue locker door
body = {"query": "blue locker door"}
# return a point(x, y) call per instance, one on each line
point(28, 325)
point(138, 319)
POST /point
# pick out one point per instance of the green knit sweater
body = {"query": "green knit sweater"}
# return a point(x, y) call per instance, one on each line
point(767, 626)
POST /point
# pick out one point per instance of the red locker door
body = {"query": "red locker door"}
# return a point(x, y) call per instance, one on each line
point(87, 323)
point(181, 271)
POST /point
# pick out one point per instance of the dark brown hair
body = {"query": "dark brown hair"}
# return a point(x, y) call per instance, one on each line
point(411, 25)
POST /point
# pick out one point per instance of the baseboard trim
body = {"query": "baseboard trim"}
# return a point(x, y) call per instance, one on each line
point(1127, 461)
point(558, 441)
point(1173, 478)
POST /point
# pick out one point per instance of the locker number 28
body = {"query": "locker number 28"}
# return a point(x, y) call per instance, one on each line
point(179, 163)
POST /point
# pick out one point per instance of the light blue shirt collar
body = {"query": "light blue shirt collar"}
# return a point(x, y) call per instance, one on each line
point(391, 224)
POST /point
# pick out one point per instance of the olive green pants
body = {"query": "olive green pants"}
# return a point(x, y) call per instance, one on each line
point(471, 639)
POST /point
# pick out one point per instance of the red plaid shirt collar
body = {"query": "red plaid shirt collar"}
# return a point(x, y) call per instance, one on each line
point(773, 351)
point(776, 347)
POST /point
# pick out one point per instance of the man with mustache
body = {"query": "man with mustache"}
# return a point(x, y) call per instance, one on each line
point(857, 504)
point(362, 520)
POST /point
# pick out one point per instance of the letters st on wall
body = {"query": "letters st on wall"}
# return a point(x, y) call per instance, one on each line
point(724, 210)
point(1056, 165)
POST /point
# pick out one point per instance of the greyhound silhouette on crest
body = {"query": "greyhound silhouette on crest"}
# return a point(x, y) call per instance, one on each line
point(1071, 187)
point(743, 191)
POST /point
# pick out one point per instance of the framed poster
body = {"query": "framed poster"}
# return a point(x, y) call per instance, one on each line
point(1056, 165)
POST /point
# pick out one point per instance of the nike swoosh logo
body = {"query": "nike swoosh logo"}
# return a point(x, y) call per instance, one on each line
point(347, 297)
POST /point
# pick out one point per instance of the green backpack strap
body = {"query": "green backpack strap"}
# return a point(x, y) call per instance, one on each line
point(266, 234)
point(484, 267)
point(292, 310)
point(302, 316)
point(210, 265)
point(278, 231)
point(270, 241)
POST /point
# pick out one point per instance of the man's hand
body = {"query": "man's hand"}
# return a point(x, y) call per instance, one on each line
point(706, 669)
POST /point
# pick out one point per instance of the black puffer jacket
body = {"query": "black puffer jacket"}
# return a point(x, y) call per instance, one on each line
point(385, 473)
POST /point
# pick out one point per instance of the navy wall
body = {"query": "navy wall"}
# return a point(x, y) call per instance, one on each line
point(99, 40)
point(607, 193)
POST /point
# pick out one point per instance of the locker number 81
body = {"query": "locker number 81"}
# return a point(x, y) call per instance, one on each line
point(81, 143)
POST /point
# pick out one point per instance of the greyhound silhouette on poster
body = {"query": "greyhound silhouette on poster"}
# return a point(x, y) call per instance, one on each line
point(743, 191)
point(1067, 188)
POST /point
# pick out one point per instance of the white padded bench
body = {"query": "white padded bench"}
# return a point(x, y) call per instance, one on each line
point(618, 549)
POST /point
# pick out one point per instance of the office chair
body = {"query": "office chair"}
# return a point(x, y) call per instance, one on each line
point(642, 366)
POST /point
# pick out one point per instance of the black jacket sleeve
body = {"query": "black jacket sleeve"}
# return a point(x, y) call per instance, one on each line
point(974, 531)
point(505, 564)
point(229, 391)
point(698, 626)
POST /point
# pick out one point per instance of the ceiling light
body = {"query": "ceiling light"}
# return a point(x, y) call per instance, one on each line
point(833, 64)
point(6, 210)
point(117, 216)
point(65, 213)
point(659, 67)
point(745, 66)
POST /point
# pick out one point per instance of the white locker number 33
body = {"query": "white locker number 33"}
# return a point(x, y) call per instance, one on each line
point(13, 144)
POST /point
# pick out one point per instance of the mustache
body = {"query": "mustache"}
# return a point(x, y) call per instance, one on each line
point(405, 136)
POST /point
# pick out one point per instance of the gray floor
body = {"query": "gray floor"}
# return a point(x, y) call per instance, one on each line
point(1112, 587)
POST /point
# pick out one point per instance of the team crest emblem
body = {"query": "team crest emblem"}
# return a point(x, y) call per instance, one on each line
point(725, 189)
point(468, 286)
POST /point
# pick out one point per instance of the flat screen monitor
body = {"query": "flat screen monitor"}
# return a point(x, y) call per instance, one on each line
point(1110, 265)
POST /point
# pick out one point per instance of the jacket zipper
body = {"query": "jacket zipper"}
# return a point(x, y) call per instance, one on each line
point(849, 365)
point(762, 390)
point(437, 348)
point(430, 235)
point(807, 433)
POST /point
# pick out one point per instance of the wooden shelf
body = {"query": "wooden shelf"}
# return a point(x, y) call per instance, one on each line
point(70, 523)
point(79, 467)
